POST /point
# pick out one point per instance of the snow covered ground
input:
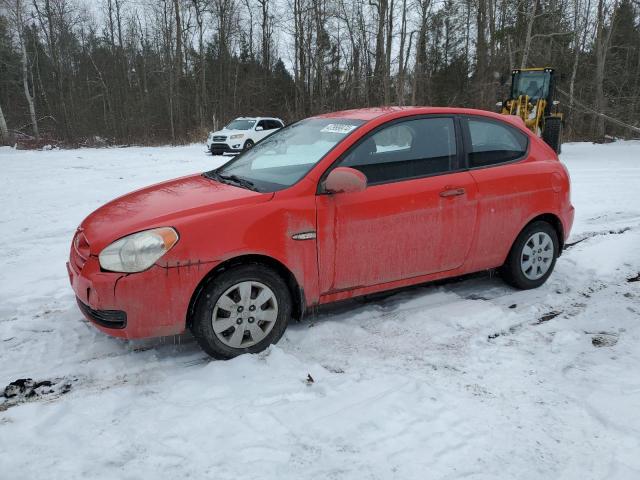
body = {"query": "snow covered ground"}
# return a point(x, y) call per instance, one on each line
point(464, 379)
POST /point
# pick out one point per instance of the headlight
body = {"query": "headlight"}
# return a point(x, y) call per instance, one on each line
point(137, 252)
point(239, 135)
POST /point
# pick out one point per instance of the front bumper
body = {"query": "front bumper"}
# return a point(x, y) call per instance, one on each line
point(153, 303)
point(112, 319)
point(224, 148)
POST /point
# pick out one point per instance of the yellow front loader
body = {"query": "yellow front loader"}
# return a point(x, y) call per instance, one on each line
point(532, 99)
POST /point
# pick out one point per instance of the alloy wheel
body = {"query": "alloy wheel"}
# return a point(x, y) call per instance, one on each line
point(245, 314)
point(537, 255)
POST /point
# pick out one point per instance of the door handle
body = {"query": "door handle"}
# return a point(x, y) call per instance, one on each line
point(452, 192)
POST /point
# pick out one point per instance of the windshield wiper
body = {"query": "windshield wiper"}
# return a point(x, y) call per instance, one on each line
point(243, 182)
point(232, 180)
point(212, 174)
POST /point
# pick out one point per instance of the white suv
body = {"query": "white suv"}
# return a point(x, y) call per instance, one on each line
point(241, 133)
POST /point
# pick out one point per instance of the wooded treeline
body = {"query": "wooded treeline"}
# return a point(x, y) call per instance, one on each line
point(142, 71)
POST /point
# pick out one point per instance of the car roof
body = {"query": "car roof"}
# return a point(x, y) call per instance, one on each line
point(257, 118)
point(368, 114)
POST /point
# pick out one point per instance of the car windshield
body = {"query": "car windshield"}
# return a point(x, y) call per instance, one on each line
point(284, 157)
point(240, 124)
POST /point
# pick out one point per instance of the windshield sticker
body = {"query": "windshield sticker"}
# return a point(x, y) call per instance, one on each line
point(340, 128)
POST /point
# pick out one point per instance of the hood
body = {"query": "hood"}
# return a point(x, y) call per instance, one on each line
point(165, 204)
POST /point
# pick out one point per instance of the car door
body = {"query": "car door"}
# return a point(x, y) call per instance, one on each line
point(260, 134)
point(416, 216)
point(508, 185)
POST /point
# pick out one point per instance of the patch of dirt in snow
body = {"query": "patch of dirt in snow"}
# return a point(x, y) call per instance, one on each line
point(547, 316)
point(604, 339)
point(634, 279)
point(27, 390)
point(586, 236)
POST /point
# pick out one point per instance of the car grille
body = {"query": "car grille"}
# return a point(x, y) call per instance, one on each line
point(104, 318)
point(218, 138)
point(79, 250)
point(219, 148)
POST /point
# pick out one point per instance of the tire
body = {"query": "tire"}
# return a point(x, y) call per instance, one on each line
point(248, 144)
point(222, 302)
point(552, 133)
point(521, 270)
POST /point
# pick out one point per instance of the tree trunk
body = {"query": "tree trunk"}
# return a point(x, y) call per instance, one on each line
point(387, 69)
point(380, 58)
point(266, 35)
point(25, 73)
point(300, 56)
point(603, 37)
point(531, 15)
point(401, 67)
point(178, 70)
point(579, 27)
point(201, 90)
point(4, 132)
point(481, 52)
point(419, 74)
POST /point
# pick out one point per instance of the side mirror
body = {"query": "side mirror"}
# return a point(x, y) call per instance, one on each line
point(345, 180)
point(499, 104)
point(259, 128)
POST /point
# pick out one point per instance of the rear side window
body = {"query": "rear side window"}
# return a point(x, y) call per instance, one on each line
point(408, 149)
point(493, 143)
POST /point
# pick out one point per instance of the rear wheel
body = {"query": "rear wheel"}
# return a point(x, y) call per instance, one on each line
point(532, 256)
point(243, 310)
point(552, 133)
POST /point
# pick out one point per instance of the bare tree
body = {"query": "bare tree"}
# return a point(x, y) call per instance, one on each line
point(4, 131)
point(17, 9)
point(162, 70)
point(530, 15)
point(580, 23)
point(602, 41)
point(401, 55)
point(201, 92)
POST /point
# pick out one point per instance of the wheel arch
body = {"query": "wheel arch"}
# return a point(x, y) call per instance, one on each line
point(296, 291)
point(554, 221)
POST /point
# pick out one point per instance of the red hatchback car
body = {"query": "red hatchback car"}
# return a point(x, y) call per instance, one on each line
point(328, 208)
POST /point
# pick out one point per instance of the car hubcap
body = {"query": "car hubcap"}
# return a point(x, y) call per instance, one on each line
point(244, 314)
point(537, 256)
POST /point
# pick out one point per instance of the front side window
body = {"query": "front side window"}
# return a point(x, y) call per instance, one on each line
point(408, 149)
point(285, 156)
point(240, 124)
point(493, 143)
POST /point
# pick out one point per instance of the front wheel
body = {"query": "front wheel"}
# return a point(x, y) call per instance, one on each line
point(243, 310)
point(248, 144)
point(532, 256)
